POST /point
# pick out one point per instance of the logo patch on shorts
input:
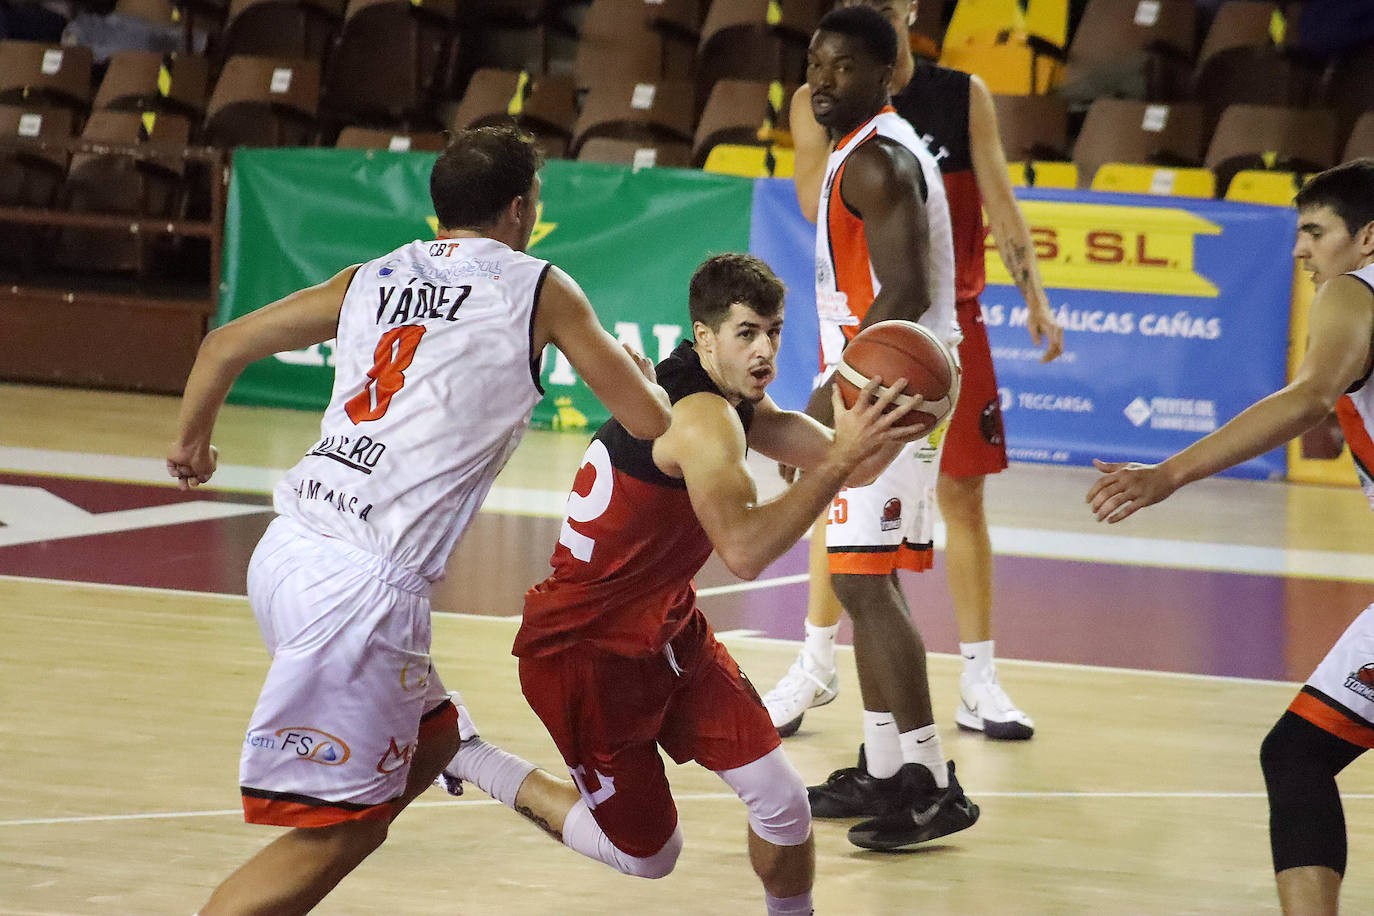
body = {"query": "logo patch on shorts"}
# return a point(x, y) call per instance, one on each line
point(892, 515)
point(395, 757)
point(1362, 682)
point(313, 745)
point(990, 423)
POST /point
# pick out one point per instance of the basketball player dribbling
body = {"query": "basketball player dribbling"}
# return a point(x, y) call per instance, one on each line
point(1331, 721)
point(438, 349)
point(615, 656)
point(953, 113)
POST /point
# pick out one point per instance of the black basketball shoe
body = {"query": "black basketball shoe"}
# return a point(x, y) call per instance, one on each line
point(933, 813)
point(853, 792)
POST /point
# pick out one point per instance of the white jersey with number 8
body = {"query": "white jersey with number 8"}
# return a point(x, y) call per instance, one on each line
point(434, 384)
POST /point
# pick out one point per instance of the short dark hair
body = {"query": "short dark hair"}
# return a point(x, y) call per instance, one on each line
point(725, 279)
point(1348, 189)
point(479, 173)
point(867, 26)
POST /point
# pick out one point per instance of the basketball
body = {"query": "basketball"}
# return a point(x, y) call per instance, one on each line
point(895, 349)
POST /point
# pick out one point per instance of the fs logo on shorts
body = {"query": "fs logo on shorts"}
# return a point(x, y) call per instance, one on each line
point(1362, 682)
point(892, 515)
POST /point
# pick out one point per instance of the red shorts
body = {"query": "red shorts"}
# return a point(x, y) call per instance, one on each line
point(975, 444)
point(609, 714)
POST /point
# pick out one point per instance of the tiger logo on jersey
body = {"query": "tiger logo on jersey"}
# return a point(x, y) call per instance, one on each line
point(892, 515)
point(1362, 681)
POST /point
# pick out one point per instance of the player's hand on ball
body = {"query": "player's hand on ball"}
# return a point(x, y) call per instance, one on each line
point(1126, 487)
point(192, 465)
point(642, 363)
point(873, 420)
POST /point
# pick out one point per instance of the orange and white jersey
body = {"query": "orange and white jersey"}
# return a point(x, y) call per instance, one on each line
point(1355, 410)
point(845, 283)
point(434, 385)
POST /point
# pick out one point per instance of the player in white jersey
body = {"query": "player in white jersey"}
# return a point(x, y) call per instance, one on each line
point(437, 347)
point(1331, 722)
point(883, 251)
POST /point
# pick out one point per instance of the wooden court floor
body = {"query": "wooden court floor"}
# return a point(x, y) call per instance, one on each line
point(124, 703)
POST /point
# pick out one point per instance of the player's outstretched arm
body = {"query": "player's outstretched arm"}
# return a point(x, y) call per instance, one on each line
point(1338, 353)
point(306, 317)
point(624, 383)
point(706, 446)
point(883, 183)
point(1006, 221)
point(811, 149)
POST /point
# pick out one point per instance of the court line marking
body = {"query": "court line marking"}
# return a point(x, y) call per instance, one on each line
point(736, 636)
point(683, 797)
point(1007, 541)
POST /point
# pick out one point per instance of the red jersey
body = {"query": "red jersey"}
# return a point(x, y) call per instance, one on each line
point(630, 545)
point(936, 104)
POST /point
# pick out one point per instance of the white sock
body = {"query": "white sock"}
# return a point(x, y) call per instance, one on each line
point(922, 745)
point(497, 772)
point(882, 746)
point(820, 645)
point(977, 658)
point(799, 905)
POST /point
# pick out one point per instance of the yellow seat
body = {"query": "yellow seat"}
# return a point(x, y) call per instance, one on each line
point(1005, 61)
point(1264, 186)
point(749, 161)
point(1045, 174)
point(976, 17)
point(1133, 178)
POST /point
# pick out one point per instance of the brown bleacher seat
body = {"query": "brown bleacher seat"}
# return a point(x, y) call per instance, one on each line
point(635, 111)
point(34, 73)
point(122, 183)
point(1263, 75)
point(1361, 141)
point(736, 112)
point(281, 28)
point(545, 106)
point(1349, 90)
point(1122, 130)
point(638, 153)
point(759, 40)
point(394, 59)
point(352, 137)
point(30, 176)
point(1032, 126)
point(1260, 136)
point(1238, 24)
point(619, 42)
point(264, 101)
point(506, 34)
point(147, 80)
point(1132, 48)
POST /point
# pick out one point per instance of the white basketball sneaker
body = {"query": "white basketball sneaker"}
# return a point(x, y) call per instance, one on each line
point(985, 707)
point(804, 686)
point(451, 782)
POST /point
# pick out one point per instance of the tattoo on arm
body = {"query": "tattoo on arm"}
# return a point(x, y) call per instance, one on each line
point(539, 822)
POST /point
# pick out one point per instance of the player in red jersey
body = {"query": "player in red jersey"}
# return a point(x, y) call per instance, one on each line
point(615, 656)
point(954, 114)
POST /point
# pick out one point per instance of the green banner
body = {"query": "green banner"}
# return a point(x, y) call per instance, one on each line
point(295, 217)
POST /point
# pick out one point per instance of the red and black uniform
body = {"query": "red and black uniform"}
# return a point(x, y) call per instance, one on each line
point(615, 656)
point(936, 103)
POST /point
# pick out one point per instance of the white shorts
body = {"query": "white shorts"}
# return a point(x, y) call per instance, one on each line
point(889, 524)
point(1339, 696)
point(339, 716)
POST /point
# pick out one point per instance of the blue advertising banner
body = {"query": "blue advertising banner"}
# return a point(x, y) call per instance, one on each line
point(1176, 314)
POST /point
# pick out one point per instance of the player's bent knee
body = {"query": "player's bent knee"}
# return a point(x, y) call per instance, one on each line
point(775, 794)
point(1300, 762)
point(658, 865)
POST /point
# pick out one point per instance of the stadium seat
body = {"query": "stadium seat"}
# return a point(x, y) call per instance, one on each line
point(149, 81)
point(741, 112)
point(641, 154)
point(1133, 178)
point(1255, 76)
point(1046, 174)
point(1265, 137)
point(1349, 89)
point(393, 61)
point(1032, 126)
point(1122, 130)
point(750, 161)
point(758, 40)
point(505, 34)
point(1140, 49)
point(30, 176)
point(264, 101)
point(367, 138)
point(636, 111)
point(1361, 141)
point(619, 42)
point(1239, 24)
point(544, 105)
point(282, 28)
point(1009, 62)
point(34, 73)
point(1264, 186)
